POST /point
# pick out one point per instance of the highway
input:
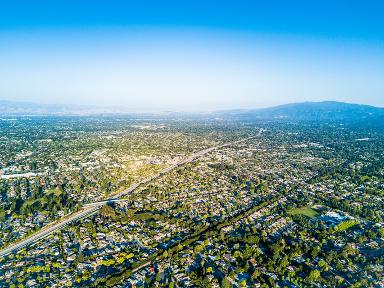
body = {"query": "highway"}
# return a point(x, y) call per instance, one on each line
point(91, 208)
point(47, 230)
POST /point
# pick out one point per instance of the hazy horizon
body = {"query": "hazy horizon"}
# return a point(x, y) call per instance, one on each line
point(74, 108)
point(184, 57)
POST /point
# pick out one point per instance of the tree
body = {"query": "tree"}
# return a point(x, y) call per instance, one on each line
point(314, 276)
point(226, 283)
point(108, 212)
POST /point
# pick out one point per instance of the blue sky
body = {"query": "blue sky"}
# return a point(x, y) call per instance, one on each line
point(191, 55)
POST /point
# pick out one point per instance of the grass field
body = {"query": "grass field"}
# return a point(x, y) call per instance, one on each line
point(306, 211)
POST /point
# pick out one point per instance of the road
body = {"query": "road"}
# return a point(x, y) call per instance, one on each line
point(91, 208)
point(47, 230)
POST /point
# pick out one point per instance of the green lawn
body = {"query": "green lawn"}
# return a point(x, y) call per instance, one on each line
point(306, 211)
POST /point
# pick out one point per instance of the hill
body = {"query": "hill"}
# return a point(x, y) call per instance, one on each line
point(311, 111)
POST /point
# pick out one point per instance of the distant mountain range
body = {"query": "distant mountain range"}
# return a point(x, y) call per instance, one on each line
point(306, 111)
point(311, 111)
point(15, 108)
